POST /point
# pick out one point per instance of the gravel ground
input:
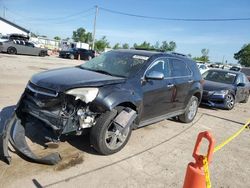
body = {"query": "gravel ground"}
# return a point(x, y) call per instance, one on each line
point(155, 156)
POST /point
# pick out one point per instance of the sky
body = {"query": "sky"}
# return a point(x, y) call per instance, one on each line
point(60, 17)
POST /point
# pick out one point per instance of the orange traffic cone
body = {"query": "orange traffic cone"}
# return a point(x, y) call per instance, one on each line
point(195, 176)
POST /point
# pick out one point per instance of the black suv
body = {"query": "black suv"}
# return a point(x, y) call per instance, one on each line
point(112, 94)
point(75, 53)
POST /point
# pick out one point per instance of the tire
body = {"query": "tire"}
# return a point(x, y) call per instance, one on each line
point(191, 110)
point(42, 54)
point(71, 56)
point(229, 102)
point(11, 50)
point(89, 57)
point(104, 136)
point(246, 98)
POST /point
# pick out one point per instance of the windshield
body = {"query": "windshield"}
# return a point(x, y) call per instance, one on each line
point(219, 76)
point(115, 63)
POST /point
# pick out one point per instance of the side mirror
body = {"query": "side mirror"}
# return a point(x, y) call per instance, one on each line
point(154, 75)
point(241, 85)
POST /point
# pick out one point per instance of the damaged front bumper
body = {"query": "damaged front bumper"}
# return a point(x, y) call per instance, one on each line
point(14, 133)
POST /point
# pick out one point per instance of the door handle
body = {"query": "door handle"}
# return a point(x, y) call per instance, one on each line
point(170, 85)
point(190, 81)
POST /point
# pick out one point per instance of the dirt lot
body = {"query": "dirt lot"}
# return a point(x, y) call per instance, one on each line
point(156, 155)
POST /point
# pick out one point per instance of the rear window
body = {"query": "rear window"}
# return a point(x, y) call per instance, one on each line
point(220, 76)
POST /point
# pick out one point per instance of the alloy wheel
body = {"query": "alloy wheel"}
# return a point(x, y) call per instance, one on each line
point(192, 109)
point(114, 138)
point(230, 101)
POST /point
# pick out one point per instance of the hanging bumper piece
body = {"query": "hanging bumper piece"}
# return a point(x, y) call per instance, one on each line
point(14, 133)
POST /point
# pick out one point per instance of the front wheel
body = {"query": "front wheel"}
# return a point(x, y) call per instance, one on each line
point(11, 50)
point(107, 137)
point(229, 102)
point(191, 110)
point(71, 56)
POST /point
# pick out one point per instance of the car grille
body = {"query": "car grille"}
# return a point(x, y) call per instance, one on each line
point(44, 91)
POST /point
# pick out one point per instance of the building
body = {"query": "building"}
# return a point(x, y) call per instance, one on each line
point(7, 27)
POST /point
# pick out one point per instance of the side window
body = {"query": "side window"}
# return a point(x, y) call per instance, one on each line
point(179, 68)
point(160, 65)
point(29, 44)
point(240, 79)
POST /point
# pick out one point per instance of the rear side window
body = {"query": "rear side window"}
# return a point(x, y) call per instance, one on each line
point(179, 68)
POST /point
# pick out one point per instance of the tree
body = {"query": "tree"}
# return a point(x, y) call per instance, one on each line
point(145, 45)
point(243, 56)
point(117, 46)
point(125, 46)
point(171, 46)
point(204, 57)
point(57, 38)
point(157, 45)
point(101, 44)
point(80, 35)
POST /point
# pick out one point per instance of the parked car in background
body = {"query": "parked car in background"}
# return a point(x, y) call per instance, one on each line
point(74, 53)
point(235, 68)
point(202, 67)
point(112, 94)
point(245, 70)
point(224, 88)
point(22, 47)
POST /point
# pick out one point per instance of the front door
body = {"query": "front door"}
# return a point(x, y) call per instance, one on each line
point(157, 94)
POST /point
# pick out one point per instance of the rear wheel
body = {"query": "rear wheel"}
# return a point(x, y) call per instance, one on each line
point(11, 50)
point(89, 57)
point(106, 137)
point(191, 110)
point(229, 102)
point(42, 54)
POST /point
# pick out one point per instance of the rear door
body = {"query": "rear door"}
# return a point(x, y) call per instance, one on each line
point(183, 81)
point(157, 94)
point(30, 49)
point(241, 91)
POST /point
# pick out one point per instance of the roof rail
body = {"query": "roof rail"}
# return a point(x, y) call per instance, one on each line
point(180, 54)
point(150, 49)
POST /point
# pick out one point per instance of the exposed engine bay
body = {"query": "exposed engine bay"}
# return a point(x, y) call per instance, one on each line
point(62, 112)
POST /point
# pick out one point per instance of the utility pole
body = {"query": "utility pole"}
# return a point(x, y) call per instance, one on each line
point(4, 9)
point(96, 12)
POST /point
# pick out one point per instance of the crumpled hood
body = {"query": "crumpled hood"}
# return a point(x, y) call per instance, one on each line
point(215, 86)
point(63, 79)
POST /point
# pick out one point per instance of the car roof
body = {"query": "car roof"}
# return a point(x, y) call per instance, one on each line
point(150, 53)
point(223, 70)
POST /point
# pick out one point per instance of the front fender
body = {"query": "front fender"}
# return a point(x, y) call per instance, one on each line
point(110, 98)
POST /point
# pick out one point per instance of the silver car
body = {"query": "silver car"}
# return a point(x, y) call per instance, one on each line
point(22, 47)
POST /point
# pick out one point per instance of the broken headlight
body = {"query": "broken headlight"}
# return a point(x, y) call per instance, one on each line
point(84, 94)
